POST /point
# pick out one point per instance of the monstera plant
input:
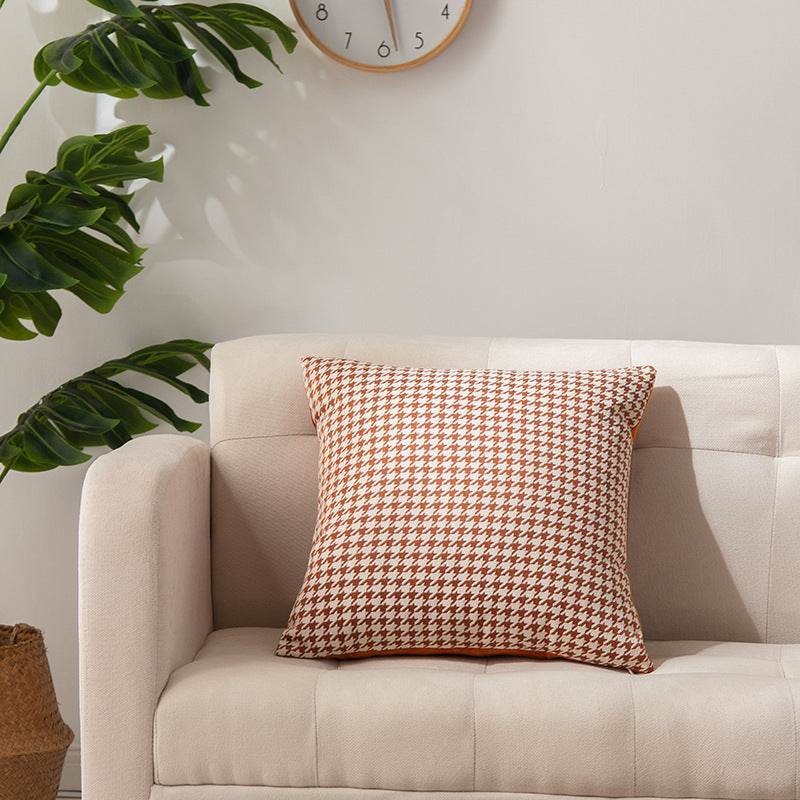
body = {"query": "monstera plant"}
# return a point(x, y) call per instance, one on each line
point(69, 228)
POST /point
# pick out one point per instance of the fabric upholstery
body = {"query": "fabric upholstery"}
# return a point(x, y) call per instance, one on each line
point(712, 720)
point(684, 503)
point(715, 407)
point(471, 511)
point(145, 600)
point(343, 793)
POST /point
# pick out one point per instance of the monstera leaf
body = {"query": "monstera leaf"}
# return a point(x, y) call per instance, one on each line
point(142, 49)
point(61, 230)
point(93, 410)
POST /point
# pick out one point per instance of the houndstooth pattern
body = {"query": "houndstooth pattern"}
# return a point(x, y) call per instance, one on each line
point(471, 511)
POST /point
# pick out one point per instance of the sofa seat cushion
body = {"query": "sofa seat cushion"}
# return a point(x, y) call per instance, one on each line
point(713, 720)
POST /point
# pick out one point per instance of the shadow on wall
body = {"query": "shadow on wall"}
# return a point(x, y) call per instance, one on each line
point(222, 229)
point(682, 586)
point(230, 195)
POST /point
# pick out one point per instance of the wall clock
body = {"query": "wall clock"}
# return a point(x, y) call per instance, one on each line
point(381, 35)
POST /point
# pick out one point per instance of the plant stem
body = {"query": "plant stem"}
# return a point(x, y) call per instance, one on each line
point(1, 3)
point(26, 105)
point(10, 464)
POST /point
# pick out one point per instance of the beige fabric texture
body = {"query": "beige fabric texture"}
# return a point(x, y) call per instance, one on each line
point(145, 600)
point(713, 720)
point(712, 540)
point(343, 793)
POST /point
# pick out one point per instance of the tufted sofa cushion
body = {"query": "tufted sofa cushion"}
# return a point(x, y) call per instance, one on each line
point(712, 720)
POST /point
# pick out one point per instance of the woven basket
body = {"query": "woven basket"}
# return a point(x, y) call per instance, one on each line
point(33, 737)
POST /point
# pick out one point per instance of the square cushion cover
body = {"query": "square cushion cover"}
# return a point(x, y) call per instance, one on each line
point(474, 512)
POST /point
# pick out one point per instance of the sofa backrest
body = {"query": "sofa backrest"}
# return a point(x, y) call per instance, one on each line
point(714, 521)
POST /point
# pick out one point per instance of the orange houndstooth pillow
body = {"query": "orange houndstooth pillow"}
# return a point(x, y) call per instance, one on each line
point(479, 512)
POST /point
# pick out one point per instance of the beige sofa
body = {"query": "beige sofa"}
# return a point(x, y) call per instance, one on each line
point(190, 559)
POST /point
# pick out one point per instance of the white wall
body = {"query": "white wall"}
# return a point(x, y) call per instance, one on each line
point(612, 168)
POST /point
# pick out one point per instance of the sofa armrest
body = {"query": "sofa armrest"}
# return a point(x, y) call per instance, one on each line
point(144, 600)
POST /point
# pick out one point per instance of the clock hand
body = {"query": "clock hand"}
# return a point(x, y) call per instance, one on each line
point(391, 21)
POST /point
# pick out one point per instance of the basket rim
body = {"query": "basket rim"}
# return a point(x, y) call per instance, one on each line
point(21, 633)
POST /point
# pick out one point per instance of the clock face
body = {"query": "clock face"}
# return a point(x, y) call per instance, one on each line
point(381, 35)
